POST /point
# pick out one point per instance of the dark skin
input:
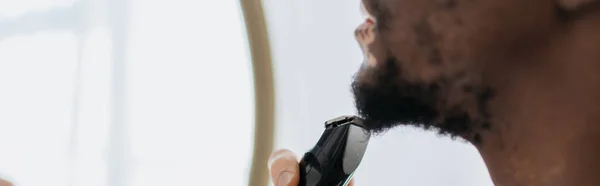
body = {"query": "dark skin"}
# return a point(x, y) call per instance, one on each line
point(519, 79)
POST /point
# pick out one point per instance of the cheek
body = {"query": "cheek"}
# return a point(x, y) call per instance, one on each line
point(454, 42)
point(476, 31)
point(416, 52)
point(418, 45)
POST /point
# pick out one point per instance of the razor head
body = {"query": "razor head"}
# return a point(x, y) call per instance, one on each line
point(348, 119)
point(337, 154)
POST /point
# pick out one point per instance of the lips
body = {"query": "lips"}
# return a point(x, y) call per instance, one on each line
point(365, 35)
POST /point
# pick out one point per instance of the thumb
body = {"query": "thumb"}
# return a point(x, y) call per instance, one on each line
point(5, 183)
point(351, 183)
point(284, 169)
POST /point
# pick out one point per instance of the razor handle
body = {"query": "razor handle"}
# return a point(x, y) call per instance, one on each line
point(337, 154)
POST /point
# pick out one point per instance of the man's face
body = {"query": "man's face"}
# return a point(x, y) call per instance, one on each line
point(427, 61)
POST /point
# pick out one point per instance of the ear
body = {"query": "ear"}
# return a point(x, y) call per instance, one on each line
point(571, 5)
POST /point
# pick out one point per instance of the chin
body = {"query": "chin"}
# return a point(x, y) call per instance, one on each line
point(384, 99)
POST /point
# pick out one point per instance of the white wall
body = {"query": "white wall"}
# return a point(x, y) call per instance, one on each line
point(124, 93)
point(315, 56)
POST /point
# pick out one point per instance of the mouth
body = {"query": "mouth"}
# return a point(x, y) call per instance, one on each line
point(365, 35)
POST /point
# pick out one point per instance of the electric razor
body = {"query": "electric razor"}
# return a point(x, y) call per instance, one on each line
point(337, 154)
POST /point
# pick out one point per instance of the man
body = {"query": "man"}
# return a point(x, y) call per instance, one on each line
point(519, 79)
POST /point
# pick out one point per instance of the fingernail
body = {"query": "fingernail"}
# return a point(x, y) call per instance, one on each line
point(284, 178)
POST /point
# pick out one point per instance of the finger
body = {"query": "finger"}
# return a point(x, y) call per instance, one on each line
point(351, 182)
point(5, 183)
point(283, 166)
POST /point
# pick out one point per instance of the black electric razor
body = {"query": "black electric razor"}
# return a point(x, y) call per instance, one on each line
point(337, 154)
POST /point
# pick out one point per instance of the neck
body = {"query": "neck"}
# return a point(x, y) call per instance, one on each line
point(546, 117)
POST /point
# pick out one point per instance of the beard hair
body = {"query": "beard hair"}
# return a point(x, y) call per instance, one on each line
point(384, 99)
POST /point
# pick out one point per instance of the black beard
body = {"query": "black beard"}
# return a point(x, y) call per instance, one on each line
point(385, 99)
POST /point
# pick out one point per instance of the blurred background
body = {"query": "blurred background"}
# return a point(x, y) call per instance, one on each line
point(156, 92)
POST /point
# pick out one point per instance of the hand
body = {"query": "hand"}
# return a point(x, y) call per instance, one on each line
point(284, 169)
point(5, 183)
